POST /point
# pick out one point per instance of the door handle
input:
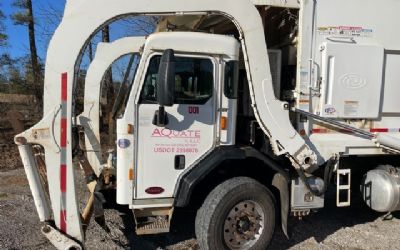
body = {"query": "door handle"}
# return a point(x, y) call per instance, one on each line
point(180, 162)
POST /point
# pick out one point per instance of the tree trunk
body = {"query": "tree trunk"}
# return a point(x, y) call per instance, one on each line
point(108, 76)
point(32, 45)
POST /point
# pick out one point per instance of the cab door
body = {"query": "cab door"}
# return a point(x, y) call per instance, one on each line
point(163, 153)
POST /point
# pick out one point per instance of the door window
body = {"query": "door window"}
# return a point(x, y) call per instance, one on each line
point(194, 80)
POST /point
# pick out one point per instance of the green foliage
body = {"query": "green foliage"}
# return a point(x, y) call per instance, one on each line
point(23, 4)
point(16, 76)
point(21, 17)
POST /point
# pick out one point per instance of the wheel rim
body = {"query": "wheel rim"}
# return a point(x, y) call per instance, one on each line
point(244, 225)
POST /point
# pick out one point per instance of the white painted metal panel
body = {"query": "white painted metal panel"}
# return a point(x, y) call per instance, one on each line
point(125, 161)
point(186, 134)
point(351, 80)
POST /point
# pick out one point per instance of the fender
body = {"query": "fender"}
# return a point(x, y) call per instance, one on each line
point(195, 175)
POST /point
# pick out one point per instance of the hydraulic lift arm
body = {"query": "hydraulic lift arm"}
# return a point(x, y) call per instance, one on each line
point(106, 54)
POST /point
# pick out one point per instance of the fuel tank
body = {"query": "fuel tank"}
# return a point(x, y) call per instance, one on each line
point(380, 188)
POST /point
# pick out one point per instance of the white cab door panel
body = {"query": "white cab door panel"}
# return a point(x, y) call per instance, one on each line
point(190, 132)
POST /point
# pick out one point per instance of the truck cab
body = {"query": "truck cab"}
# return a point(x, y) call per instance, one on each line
point(201, 117)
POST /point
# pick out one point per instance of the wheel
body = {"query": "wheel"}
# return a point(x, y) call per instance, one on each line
point(237, 214)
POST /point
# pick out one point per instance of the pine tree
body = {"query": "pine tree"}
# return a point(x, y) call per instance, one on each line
point(24, 16)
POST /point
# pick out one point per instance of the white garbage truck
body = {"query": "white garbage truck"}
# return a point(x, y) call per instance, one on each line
point(253, 107)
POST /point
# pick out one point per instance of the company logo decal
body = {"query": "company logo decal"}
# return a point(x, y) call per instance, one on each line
point(184, 134)
point(330, 110)
point(182, 142)
point(353, 81)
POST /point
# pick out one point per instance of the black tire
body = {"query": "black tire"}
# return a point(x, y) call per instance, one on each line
point(211, 217)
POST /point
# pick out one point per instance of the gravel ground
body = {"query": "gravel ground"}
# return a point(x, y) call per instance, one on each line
point(331, 228)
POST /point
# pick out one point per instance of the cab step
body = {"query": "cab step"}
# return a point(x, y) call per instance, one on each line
point(152, 220)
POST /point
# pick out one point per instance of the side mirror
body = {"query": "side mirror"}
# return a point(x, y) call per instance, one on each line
point(165, 87)
point(166, 79)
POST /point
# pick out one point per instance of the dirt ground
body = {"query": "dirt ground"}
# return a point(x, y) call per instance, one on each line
point(331, 228)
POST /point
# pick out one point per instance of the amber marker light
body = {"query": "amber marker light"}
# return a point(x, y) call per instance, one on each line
point(130, 129)
point(130, 174)
point(224, 122)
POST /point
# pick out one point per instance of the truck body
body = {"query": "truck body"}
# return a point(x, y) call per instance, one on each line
point(250, 107)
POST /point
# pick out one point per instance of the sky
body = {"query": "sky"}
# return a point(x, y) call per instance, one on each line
point(18, 44)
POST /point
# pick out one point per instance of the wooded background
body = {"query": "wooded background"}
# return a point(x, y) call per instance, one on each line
point(24, 74)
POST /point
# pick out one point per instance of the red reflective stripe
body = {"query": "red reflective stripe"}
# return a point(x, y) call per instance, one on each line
point(319, 130)
point(63, 139)
point(63, 178)
point(63, 144)
point(372, 130)
point(63, 221)
point(379, 130)
point(64, 92)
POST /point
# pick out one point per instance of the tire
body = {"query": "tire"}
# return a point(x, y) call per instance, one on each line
point(238, 214)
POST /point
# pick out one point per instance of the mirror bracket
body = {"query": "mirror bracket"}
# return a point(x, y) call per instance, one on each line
point(160, 118)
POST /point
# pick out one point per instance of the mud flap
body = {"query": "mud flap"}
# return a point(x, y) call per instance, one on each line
point(280, 182)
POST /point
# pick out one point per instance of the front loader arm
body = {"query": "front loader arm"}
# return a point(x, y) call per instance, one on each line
point(106, 54)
